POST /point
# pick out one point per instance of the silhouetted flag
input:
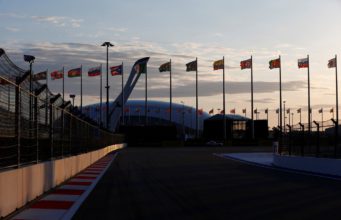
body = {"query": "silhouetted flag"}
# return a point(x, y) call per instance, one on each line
point(200, 111)
point(40, 76)
point(274, 63)
point(331, 110)
point(165, 67)
point(58, 74)
point(266, 111)
point(74, 72)
point(303, 63)
point(233, 111)
point(332, 63)
point(288, 111)
point(246, 64)
point(244, 110)
point(321, 110)
point(211, 111)
point(255, 111)
point(95, 71)
point(140, 66)
point(116, 70)
point(219, 64)
point(299, 110)
point(222, 112)
point(191, 66)
point(277, 111)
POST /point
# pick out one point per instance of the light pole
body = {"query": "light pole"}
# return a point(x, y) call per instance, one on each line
point(107, 44)
point(30, 59)
point(284, 116)
point(73, 96)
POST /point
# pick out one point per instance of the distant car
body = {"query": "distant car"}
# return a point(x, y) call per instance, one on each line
point(214, 143)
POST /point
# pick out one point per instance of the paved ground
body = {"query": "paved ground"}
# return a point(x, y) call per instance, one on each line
point(191, 183)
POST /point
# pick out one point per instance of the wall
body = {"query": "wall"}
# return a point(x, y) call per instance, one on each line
point(19, 186)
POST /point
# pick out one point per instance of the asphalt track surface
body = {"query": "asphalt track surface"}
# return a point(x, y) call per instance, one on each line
point(192, 183)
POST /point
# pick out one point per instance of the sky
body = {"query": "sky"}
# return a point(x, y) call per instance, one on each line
point(69, 33)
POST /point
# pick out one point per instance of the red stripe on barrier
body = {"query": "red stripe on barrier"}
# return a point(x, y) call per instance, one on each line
point(68, 192)
point(46, 204)
point(74, 183)
point(85, 177)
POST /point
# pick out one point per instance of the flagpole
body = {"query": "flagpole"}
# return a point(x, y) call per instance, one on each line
point(337, 109)
point(122, 98)
point(100, 111)
point(252, 123)
point(280, 99)
point(47, 96)
point(146, 99)
point(300, 116)
point(309, 112)
point(170, 91)
point(224, 120)
point(196, 99)
point(81, 104)
point(63, 85)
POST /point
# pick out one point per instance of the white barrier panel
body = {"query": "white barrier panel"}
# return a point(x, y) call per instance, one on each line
point(310, 164)
point(20, 186)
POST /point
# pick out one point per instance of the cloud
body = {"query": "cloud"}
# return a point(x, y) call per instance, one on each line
point(59, 21)
point(12, 29)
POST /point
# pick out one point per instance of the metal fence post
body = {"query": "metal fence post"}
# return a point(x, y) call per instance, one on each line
point(51, 130)
point(302, 144)
point(290, 138)
point(317, 153)
point(36, 126)
point(17, 121)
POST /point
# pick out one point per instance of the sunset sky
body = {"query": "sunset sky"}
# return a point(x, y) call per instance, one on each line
point(69, 33)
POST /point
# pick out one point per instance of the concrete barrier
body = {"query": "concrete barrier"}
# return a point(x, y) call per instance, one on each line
point(22, 185)
point(316, 165)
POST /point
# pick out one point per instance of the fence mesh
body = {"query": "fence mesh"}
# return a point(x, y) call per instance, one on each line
point(36, 125)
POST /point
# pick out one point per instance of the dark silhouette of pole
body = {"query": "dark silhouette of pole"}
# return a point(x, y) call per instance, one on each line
point(280, 99)
point(81, 99)
point(100, 104)
point(224, 120)
point(337, 109)
point(63, 85)
point(146, 99)
point(122, 97)
point(309, 111)
point(107, 44)
point(170, 92)
point(252, 123)
point(196, 99)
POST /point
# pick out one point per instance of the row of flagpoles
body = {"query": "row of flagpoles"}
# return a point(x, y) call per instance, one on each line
point(193, 66)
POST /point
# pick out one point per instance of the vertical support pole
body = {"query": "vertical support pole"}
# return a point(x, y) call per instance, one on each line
point(122, 96)
point(280, 102)
point(81, 104)
point(337, 111)
point(100, 104)
point(252, 119)
point(36, 111)
point(51, 130)
point(224, 102)
point(146, 99)
point(18, 121)
point(196, 101)
point(170, 92)
point(107, 87)
point(309, 109)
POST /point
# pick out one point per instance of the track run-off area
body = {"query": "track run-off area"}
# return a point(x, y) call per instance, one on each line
point(194, 183)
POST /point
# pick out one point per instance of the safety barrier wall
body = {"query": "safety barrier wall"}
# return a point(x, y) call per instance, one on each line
point(22, 185)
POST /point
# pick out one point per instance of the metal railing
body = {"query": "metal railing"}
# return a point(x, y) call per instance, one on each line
point(37, 125)
point(322, 141)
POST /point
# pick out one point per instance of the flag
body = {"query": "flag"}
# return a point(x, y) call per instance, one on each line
point(165, 67)
point(244, 110)
point(233, 111)
point(39, 76)
point(274, 63)
point(58, 74)
point(74, 72)
point(331, 110)
point(266, 111)
point(95, 71)
point(277, 111)
point(140, 66)
point(321, 110)
point(332, 63)
point(211, 111)
point(303, 63)
point(222, 112)
point(219, 64)
point(191, 66)
point(255, 111)
point(246, 64)
point(299, 110)
point(116, 70)
point(288, 111)
point(200, 111)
